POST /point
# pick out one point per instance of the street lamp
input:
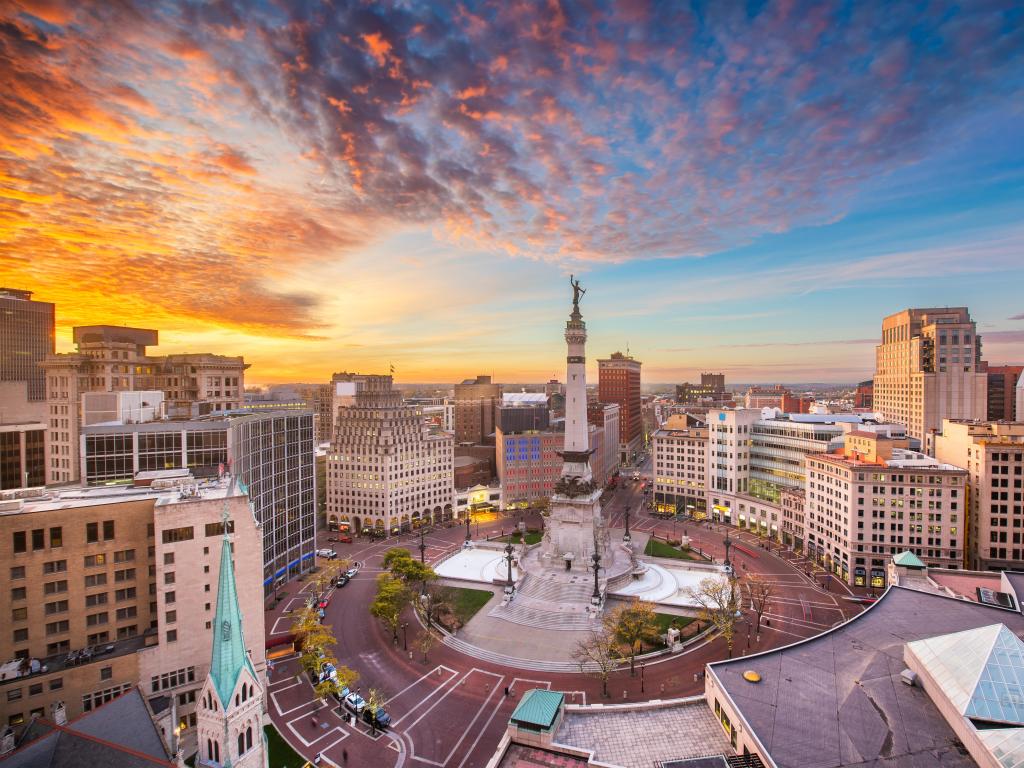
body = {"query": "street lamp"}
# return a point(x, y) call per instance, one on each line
point(728, 543)
point(627, 537)
point(405, 636)
point(641, 677)
point(596, 559)
point(509, 584)
point(468, 536)
point(423, 548)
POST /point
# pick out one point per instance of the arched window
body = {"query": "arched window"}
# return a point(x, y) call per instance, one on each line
point(236, 699)
point(248, 737)
point(209, 749)
point(241, 742)
point(216, 751)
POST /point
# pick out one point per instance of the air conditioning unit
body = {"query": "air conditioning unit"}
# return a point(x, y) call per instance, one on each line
point(909, 677)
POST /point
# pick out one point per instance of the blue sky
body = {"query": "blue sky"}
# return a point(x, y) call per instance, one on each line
point(742, 187)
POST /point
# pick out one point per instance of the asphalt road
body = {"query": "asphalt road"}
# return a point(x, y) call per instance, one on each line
point(450, 710)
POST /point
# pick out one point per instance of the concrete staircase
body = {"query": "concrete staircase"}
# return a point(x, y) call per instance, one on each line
point(550, 601)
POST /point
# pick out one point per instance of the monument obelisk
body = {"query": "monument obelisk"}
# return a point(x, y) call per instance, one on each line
point(576, 527)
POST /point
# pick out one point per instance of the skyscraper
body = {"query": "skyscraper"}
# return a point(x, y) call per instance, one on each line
point(928, 368)
point(475, 401)
point(385, 471)
point(1002, 399)
point(26, 338)
point(618, 381)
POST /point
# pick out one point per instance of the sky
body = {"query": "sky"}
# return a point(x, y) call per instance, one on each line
point(745, 187)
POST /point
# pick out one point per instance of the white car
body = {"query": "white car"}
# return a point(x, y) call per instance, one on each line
point(330, 554)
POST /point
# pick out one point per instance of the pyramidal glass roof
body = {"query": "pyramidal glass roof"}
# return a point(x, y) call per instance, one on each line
point(981, 671)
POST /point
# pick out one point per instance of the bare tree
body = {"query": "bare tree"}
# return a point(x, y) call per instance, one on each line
point(718, 598)
point(424, 642)
point(760, 591)
point(599, 655)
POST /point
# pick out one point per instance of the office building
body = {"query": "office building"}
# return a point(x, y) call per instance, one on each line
point(710, 392)
point(522, 412)
point(875, 500)
point(928, 368)
point(22, 455)
point(863, 396)
point(272, 453)
point(475, 401)
point(385, 471)
point(114, 359)
point(680, 457)
point(767, 397)
point(26, 338)
point(993, 453)
point(606, 417)
point(1002, 392)
point(111, 588)
point(618, 381)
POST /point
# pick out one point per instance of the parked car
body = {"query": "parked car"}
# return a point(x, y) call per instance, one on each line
point(351, 573)
point(353, 702)
point(345, 538)
point(381, 720)
point(324, 602)
point(342, 581)
point(329, 554)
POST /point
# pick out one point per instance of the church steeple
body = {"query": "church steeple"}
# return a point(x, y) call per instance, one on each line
point(229, 654)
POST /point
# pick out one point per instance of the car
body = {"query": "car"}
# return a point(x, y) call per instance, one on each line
point(342, 581)
point(636, 476)
point(328, 554)
point(353, 702)
point(324, 602)
point(345, 538)
point(351, 573)
point(381, 720)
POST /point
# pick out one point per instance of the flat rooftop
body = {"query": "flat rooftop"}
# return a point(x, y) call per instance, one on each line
point(836, 700)
point(43, 500)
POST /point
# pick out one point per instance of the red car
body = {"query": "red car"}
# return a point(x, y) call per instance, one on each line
point(345, 538)
point(323, 603)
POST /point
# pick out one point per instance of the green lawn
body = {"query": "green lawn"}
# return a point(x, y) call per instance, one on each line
point(469, 601)
point(281, 754)
point(656, 548)
point(532, 537)
point(666, 619)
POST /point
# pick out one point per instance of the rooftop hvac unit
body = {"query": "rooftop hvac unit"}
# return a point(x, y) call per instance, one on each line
point(909, 677)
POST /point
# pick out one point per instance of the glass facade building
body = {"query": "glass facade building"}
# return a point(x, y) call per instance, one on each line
point(26, 338)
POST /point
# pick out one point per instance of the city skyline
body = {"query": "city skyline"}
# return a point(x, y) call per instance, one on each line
point(747, 191)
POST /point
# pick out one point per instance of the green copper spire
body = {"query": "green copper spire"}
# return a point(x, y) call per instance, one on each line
point(229, 654)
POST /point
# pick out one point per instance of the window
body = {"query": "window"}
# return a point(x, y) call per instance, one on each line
point(172, 636)
point(128, 593)
point(62, 646)
point(58, 606)
point(55, 566)
point(126, 632)
point(35, 689)
point(56, 683)
point(19, 614)
point(172, 535)
point(18, 593)
point(108, 530)
point(56, 537)
point(98, 638)
point(96, 619)
point(171, 617)
point(21, 635)
point(38, 540)
point(100, 598)
point(128, 574)
point(217, 529)
point(169, 577)
point(127, 613)
point(94, 561)
point(18, 572)
point(57, 627)
point(92, 533)
point(169, 597)
point(124, 556)
point(106, 673)
point(96, 580)
point(14, 694)
point(168, 558)
point(55, 587)
point(19, 542)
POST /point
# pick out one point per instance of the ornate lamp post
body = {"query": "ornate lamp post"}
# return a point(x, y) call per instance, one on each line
point(423, 548)
point(627, 537)
point(728, 543)
point(468, 537)
point(405, 636)
point(596, 560)
point(509, 584)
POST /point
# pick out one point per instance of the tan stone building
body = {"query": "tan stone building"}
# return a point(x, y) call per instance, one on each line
point(872, 500)
point(993, 453)
point(114, 359)
point(131, 575)
point(680, 456)
point(928, 368)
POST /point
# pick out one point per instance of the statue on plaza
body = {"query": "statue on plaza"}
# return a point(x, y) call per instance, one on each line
point(577, 292)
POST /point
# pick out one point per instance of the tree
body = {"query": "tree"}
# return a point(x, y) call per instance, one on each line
point(760, 591)
point(599, 655)
point(374, 700)
point(402, 565)
point(631, 626)
point(327, 574)
point(424, 642)
point(317, 642)
point(391, 597)
point(718, 598)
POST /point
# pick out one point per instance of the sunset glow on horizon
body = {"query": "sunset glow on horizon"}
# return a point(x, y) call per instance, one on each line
point(741, 187)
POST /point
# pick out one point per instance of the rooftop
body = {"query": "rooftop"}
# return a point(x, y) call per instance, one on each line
point(538, 707)
point(837, 700)
point(902, 458)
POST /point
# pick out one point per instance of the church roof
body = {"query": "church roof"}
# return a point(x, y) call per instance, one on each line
point(229, 654)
